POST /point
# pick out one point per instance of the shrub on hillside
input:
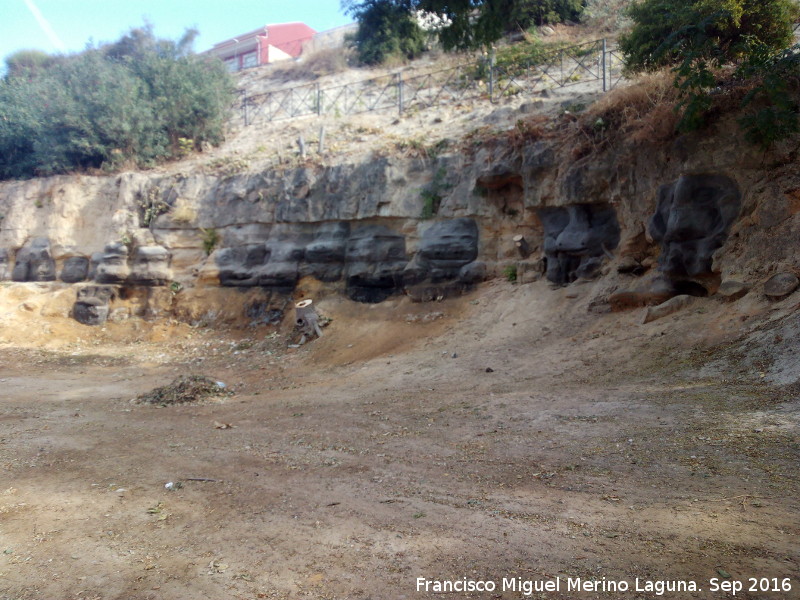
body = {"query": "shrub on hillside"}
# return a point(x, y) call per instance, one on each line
point(386, 29)
point(700, 38)
point(28, 61)
point(389, 28)
point(667, 32)
point(137, 101)
point(771, 107)
point(607, 15)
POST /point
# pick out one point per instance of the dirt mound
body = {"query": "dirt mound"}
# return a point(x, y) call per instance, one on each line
point(182, 390)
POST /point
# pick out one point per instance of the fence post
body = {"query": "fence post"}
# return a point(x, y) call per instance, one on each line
point(400, 99)
point(319, 100)
point(604, 65)
point(244, 107)
point(491, 74)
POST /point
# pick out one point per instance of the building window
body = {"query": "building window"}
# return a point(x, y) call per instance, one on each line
point(232, 64)
point(249, 60)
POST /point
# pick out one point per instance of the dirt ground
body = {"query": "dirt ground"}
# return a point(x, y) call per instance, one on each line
point(507, 434)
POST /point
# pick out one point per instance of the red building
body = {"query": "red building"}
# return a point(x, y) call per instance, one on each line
point(263, 46)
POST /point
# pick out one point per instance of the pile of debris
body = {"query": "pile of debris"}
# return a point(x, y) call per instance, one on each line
point(184, 389)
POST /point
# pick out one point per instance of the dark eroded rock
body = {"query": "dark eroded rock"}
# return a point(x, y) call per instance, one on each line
point(692, 220)
point(576, 238)
point(92, 304)
point(150, 266)
point(781, 285)
point(5, 271)
point(239, 266)
point(730, 291)
point(374, 261)
point(75, 269)
point(113, 265)
point(34, 262)
point(95, 259)
point(326, 253)
point(285, 251)
point(439, 268)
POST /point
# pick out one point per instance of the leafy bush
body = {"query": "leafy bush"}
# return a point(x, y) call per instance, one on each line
point(389, 27)
point(28, 61)
point(510, 273)
point(386, 29)
point(211, 239)
point(526, 13)
point(704, 32)
point(771, 106)
point(606, 15)
point(697, 38)
point(137, 101)
point(472, 24)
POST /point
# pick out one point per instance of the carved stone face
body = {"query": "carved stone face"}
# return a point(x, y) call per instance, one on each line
point(151, 266)
point(34, 262)
point(451, 243)
point(576, 237)
point(374, 263)
point(113, 266)
point(75, 269)
point(325, 254)
point(237, 266)
point(692, 220)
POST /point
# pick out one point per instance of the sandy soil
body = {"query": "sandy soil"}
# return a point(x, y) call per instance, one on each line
point(507, 434)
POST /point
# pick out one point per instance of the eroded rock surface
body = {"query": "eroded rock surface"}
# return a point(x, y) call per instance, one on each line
point(781, 285)
point(285, 250)
point(576, 238)
point(92, 304)
point(34, 262)
point(371, 260)
point(443, 263)
point(375, 258)
point(5, 271)
point(150, 266)
point(113, 264)
point(692, 220)
point(325, 254)
point(75, 269)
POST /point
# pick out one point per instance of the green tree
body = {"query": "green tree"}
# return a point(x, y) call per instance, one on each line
point(476, 23)
point(699, 37)
point(666, 32)
point(135, 101)
point(466, 24)
point(386, 28)
point(28, 61)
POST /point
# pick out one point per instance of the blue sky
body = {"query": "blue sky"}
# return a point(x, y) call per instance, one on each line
point(68, 25)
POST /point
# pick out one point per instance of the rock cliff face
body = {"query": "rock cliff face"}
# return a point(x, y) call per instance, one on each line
point(656, 221)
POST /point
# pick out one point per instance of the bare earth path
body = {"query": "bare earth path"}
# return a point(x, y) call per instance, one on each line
point(594, 448)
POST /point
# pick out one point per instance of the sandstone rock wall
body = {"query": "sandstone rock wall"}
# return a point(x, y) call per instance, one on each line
point(657, 220)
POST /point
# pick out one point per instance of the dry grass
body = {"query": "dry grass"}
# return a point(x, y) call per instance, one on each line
point(641, 112)
point(183, 211)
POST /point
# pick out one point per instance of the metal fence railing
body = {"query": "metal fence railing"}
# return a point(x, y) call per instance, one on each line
point(584, 63)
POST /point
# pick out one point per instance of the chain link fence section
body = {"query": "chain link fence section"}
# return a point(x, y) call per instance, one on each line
point(588, 62)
